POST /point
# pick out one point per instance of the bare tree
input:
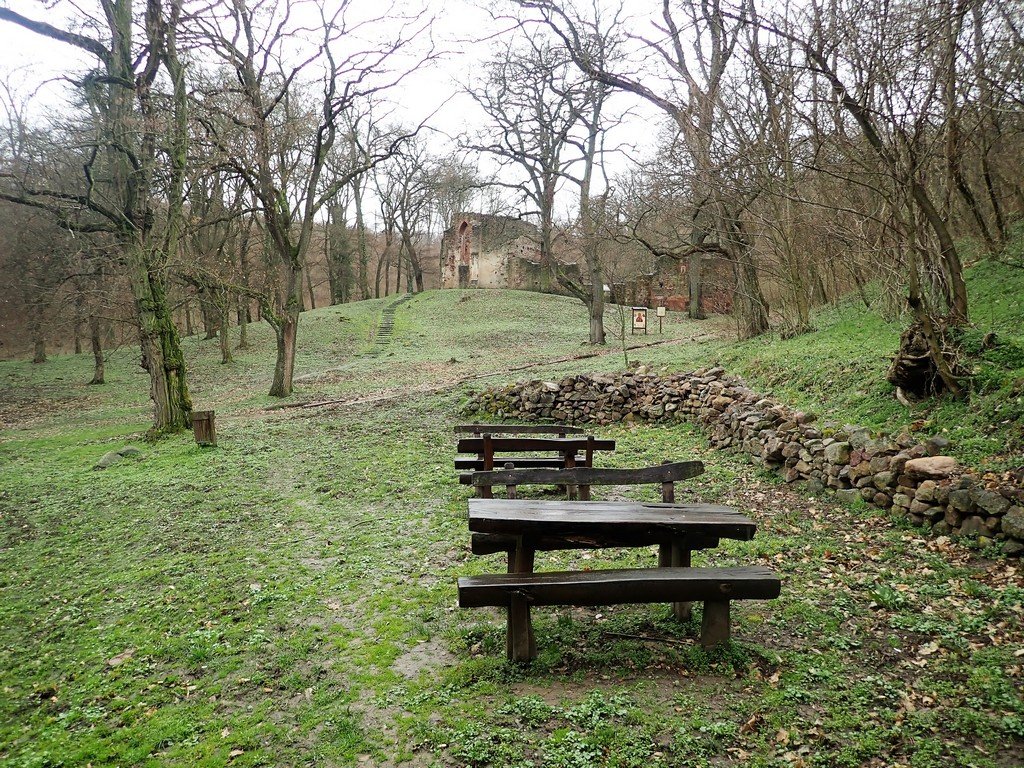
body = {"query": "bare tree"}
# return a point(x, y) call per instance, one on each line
point(289, 111)
point(137, 154)
point(686, 56)
point(544, 122)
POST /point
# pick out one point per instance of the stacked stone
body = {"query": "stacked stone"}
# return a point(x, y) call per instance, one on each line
point(909, 476)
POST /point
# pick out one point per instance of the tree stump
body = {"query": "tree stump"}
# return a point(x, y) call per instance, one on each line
point(204, 428)
point(914, 370)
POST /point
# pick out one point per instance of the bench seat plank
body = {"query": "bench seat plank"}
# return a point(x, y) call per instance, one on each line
point(519, 462)
point(608, 587)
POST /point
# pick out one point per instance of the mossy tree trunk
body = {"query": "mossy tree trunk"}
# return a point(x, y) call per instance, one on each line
point(96, 341)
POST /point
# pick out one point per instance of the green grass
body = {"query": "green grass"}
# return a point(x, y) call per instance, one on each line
point(838, 371)
point(288, 598)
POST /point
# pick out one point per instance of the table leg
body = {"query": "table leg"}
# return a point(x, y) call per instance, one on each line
point(520, 644)
point(681, 559)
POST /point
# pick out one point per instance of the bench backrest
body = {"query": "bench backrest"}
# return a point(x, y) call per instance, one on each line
point(667, 474)
point(517, 429)
point(521, 444)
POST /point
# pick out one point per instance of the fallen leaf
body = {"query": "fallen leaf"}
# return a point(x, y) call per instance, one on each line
point(928, 648)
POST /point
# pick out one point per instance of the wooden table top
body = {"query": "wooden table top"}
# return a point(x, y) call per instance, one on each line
point(529, 517)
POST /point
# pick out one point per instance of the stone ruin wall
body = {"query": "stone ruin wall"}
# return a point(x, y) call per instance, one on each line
point(904, 474)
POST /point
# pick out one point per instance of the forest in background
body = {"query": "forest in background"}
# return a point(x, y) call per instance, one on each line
point(226, 163)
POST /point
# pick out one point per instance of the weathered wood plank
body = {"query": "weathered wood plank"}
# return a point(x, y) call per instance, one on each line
point(518, 444)
point(492, 543)
point(541, 518)
point(517, 429)
point(609, 587)
point(518, 462)
point(204, 428)
point(662, 473)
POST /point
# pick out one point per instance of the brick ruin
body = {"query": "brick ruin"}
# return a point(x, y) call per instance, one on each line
point(490, 251)
point(666, 285)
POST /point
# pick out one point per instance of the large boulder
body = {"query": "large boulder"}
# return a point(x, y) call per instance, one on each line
point(108, 460)
point(931, 467)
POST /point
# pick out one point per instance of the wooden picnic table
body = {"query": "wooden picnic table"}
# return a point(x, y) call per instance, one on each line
point(677, 528)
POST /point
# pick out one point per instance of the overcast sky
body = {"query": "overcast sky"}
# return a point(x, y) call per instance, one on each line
point(463, 30)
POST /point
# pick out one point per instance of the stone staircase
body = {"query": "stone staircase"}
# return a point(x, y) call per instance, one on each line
point(386, 326)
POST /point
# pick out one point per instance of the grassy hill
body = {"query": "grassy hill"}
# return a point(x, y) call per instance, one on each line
point(288, 598)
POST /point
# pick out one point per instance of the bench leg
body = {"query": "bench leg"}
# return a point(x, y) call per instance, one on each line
point(681, 558)
point(520, 644)
point(714, 627)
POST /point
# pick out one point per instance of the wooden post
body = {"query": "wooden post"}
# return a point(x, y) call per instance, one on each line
point(488, 457)
point(668, 490)
point(569, 461)
point(520, 643)
point(681, 559)
point(714, 626)
point(510, 490)
point(204, 428)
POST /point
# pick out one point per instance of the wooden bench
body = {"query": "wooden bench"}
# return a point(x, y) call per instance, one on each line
point(666, 474)
point(716, 587)
point(479, 430)
point(565, 448)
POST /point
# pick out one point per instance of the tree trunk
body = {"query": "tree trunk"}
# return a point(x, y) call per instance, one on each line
point(695, 286)
point(284, 367)
point(98, 371)
point(225, 322)
point(210, 316)
point(309, 287)
point(383, 263)
point(595, 306)
point(286, 326)
point(363, 250)
point(749, 304)
point(243, 323)
point(161, 348)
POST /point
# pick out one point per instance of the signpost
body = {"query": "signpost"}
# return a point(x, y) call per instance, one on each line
point(661, 313)
point(640, 319)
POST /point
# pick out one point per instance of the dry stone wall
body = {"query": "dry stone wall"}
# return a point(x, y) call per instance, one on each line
point(910, 476)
